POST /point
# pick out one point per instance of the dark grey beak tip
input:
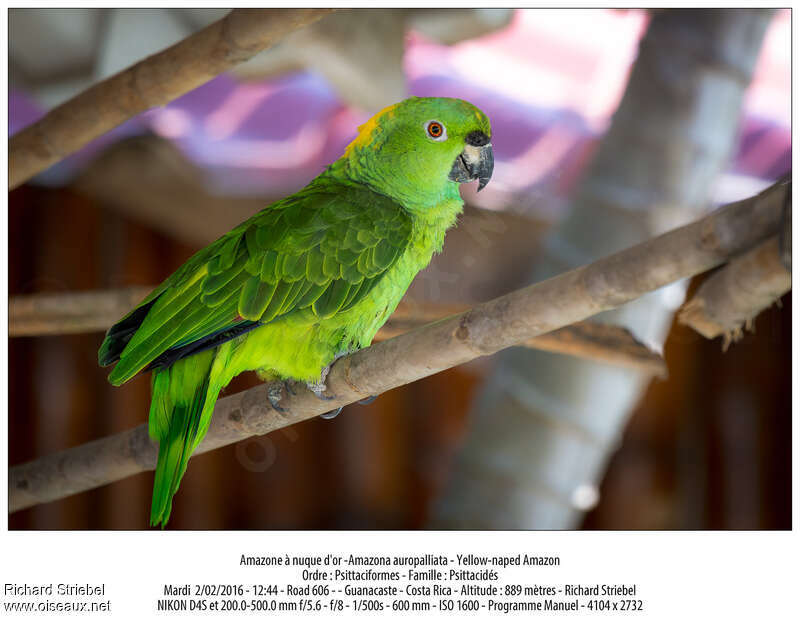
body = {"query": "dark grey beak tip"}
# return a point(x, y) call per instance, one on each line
point(475, 163)
point(485, 167)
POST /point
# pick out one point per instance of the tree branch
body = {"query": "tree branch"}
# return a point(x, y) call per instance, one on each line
point(727, 303)
point(485, 329)
point(91, 311)
point(154, 81)
point(591, 340)
point(71, 312)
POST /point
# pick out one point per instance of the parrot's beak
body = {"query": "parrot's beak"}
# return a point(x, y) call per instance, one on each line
point(476, 161)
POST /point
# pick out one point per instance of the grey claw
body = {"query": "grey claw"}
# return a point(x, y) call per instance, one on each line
point(368, 400)
point(330, 415)
point(319, 387)
point(274, 395)
point(319, 391)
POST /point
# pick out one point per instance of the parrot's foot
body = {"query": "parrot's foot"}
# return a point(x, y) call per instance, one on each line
point(319, 391)
point(318, 388)
point(368, 400)
point(330, 415)
point(275, 394)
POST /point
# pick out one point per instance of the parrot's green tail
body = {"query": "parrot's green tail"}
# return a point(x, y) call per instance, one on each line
point(180, 413)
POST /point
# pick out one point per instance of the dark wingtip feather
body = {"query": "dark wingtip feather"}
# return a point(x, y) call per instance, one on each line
point(120, 333)
point(111, 349)
point(173, 354)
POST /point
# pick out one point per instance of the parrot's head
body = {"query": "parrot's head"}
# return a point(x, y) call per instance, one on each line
point(418, 150)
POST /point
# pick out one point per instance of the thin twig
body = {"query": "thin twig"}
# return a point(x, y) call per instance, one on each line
point(154, 81)
point(485, 329)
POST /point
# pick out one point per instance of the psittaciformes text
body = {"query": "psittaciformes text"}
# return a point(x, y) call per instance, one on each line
point(306, 280)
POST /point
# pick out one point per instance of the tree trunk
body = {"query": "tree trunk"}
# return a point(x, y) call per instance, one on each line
point(545, 426)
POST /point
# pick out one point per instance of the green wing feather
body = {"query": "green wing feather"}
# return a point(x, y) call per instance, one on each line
point(321, 250)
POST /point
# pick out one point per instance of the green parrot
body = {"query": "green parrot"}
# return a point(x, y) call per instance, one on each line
point(308, 279)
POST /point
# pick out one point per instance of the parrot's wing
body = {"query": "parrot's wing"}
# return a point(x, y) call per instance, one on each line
point(322, 249)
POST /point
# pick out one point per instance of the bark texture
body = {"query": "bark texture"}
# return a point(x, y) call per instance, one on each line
point(545, 426)
point(154, 81)
point(482, 330)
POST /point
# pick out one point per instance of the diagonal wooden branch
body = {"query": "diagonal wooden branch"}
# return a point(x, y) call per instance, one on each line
point(485, 329)
point(154, 81)
point(91, 311)
point(595, 341)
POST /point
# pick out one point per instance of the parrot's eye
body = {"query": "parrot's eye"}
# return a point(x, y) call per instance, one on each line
point(435, 130)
